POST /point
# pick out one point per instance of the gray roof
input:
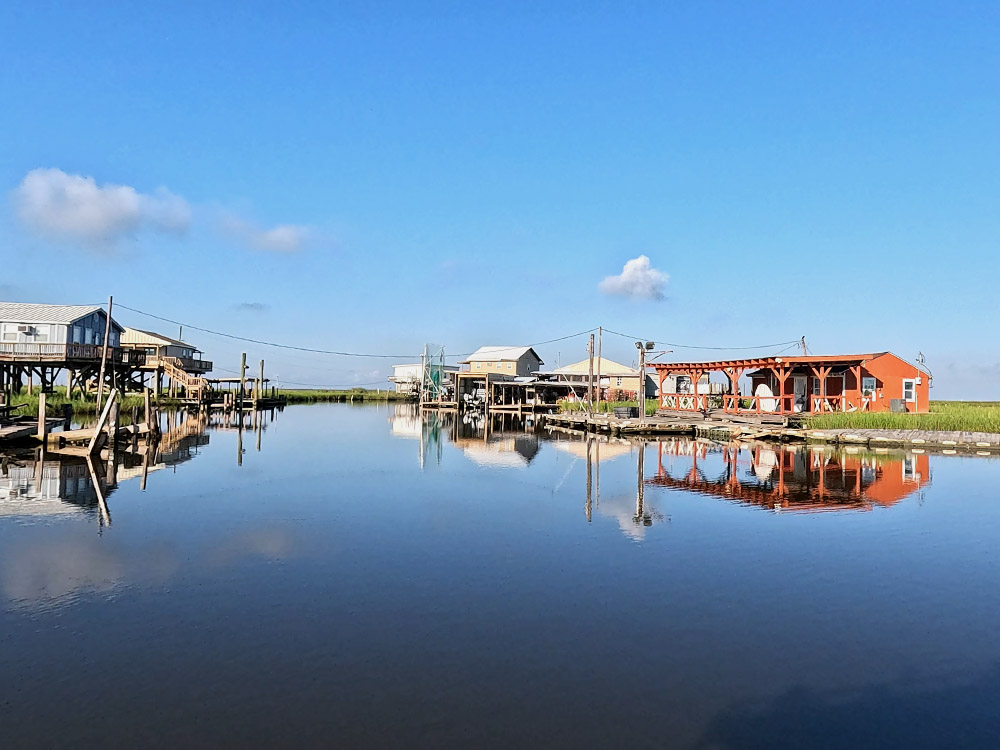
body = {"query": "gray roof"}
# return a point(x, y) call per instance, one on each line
point(25, 312)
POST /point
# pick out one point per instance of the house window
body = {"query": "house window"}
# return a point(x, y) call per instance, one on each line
point(477, 365)
point(868, 387)
point(815, 386)
point(618, 381)
point(909, 391)
point(510, 365)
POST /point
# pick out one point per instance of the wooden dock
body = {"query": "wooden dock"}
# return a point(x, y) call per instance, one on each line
point(744, 428)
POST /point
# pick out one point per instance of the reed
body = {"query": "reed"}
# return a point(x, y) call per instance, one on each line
point(963, 416)
point(605, 407)
point(339, 396)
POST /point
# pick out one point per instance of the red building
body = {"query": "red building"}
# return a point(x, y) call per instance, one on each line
point(801, 384)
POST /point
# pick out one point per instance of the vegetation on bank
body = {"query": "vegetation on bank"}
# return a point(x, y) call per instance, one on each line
point(605, 407)
point(54, 402)
point(963, 416)
point(354, 394)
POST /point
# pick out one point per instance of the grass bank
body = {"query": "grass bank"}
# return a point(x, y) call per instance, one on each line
point(963, 416)
point(605, 407)
point(355, 394)
point(54, 403)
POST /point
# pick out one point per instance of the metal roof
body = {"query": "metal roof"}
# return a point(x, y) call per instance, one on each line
point(607, 367)
point(137, 336)
point(500, 353)
point(26, 312)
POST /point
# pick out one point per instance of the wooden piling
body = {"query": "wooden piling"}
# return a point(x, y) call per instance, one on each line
point(42, 424)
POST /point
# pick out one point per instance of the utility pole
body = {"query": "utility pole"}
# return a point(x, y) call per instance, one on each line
point(642, 385)
point(180, 333)
point(590, 376)
point(243, 380)
point(802, 343)
point(104, 356)
point(599, 331)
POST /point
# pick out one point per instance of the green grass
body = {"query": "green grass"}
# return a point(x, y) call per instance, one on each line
point(966, 416)
point(356, 394)
point(54, 403)
point(607, 406)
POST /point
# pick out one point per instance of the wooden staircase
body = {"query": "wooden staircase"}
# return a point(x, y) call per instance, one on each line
point(194, 386)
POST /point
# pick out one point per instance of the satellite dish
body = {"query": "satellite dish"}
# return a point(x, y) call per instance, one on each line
point(765, 398)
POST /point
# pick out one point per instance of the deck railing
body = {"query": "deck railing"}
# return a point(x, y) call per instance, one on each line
point(64, 352)
point(187, 364)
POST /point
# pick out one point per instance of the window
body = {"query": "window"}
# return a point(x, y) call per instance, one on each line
point(510, 365)
point(868, 387)
point(477, 365)
point(618, 381)
point(909, 391)
point(815, 386)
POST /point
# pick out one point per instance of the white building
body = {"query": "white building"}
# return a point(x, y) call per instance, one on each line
point(407, 377)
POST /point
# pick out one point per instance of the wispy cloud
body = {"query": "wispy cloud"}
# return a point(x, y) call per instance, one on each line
point(638, 280)
point(75, 208)
point(283, 238)
point(253, 307)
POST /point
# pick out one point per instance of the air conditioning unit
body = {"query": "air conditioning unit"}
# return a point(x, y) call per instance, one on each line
point(26, 329)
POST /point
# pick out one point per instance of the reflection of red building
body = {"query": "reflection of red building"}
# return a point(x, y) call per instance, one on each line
point(793, 478)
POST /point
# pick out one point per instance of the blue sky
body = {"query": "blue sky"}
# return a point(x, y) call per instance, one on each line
point(352, 177)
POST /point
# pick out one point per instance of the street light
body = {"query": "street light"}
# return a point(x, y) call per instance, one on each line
point(643, 347)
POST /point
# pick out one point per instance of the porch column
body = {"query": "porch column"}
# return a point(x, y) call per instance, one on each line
point(821, 373)
point(782, 374)
point(734, 374)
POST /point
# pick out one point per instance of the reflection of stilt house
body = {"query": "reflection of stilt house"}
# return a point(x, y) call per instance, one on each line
point(38, 342)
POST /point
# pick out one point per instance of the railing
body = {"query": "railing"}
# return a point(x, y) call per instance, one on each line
point(185, 363)
point(22, 350)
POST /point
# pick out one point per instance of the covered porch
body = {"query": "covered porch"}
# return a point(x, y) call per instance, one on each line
point(777, 385)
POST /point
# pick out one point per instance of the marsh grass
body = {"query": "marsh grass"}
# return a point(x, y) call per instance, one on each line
point(356, 394)
point(963, 416)
point(605, 407)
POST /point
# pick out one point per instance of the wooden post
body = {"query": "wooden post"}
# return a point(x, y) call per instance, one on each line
point(599, 332)
point(42, 424)
point(112, 471)
point(243, 378)
point(104, 355)
point(95, 440)
point(260, 382)
point(590, 375)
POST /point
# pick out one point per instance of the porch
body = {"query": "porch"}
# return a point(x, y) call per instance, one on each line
point(789, 385)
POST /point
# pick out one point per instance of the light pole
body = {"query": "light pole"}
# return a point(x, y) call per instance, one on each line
point(643, 347)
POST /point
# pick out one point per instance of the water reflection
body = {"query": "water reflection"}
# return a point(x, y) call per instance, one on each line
point(45, 482)
point(768, 475)
point(791, 477)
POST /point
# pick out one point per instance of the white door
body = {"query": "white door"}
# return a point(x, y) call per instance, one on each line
point(799, 384)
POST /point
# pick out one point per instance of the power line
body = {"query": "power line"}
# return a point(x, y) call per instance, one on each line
point(707, 348)
point(330, 351)
point(270, 343)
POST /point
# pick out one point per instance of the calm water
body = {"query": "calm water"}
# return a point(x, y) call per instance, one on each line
point(367, 579)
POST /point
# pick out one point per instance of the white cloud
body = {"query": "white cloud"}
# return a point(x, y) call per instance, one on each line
point(284, 238)
point(73, 207)
point(638, 280)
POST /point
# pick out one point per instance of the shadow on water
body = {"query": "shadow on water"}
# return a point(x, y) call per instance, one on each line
point(961, 715)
